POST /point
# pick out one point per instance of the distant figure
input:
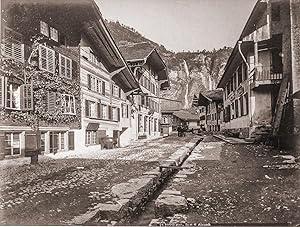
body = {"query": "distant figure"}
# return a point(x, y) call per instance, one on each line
point(180, 130)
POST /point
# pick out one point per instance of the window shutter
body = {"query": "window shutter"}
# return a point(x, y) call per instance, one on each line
point(89, 81)
point(51, 60)
point(62, 65)
point(109, 112)
point(12, 45)
point(86, 108)
point(71, 141)
point(112, 90)
point(2, 91)
point(103, 87)
point(51, 101)
point(119, 92)
point(122, 109)
point(22, 96)
point(119, 117)
point(127, 111)
point(74, 69)
point(26, 97)
point(42, 57)
point(99, 109)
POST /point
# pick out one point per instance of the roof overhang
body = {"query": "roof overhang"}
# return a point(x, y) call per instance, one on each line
point(234, 61)
point(105, 48)
point(255, 18)
point(157, 64)
point(203, 100)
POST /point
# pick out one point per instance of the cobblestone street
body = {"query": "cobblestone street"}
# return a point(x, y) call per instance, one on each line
point(68, 184)
point(241, 183)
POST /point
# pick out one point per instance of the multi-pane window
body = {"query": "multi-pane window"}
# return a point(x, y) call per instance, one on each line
point(91, 109)
point(65, 66)
point(96, 84)
point(115, 91)
point(91, 137)
point(44, 28)
point(12, 46)
point(54, 34)
point(13, 100)
point(46, 59)
point(17, 96)
point(68, 104)
point(115, 114)
point(104, 111)
point(12, 144)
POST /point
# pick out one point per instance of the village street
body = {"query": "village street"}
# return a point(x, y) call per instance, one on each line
point(220, 183)
point(67, 184)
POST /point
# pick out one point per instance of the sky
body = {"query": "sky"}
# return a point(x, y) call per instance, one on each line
point(188, 25)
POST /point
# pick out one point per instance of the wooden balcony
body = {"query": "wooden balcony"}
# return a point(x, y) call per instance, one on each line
point(264, 75)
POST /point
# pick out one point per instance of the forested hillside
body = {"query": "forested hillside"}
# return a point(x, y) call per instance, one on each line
point(189, 72)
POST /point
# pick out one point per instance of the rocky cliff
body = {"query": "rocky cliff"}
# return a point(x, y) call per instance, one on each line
point(189, 72)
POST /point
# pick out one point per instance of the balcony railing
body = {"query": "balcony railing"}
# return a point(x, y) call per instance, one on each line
point(264, 73)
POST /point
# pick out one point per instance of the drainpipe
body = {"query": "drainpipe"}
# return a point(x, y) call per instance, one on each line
point(248, 67)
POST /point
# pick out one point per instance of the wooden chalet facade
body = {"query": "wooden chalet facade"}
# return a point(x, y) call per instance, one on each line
point(62, 77)
point(151, 73)
point(105, 82)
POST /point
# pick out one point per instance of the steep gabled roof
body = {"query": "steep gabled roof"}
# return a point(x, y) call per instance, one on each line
point(186, 115)
point(169, 106)
point(209, 96)
point(136, 51)
point(146, 52)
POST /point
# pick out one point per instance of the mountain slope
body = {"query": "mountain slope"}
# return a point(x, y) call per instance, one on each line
point(189, 72)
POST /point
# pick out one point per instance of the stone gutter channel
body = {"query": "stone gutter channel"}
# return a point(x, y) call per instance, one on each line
point(130, 197)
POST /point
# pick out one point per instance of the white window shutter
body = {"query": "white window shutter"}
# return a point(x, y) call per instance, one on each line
point(51, 60)
point(43, 57)
point(12, 44)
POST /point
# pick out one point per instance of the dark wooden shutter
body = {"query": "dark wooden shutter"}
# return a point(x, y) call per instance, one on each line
point(89, 81)
point(112, 90)
point(103, 87)
point(2, 93)
point(87, 114)
point(119, 117)
point(99, 109)
point(74, 69)
point(120, 93)
point(71, 141)
point(122, 109)
point(26, 97)
point(109, 112)
point(51, 101)
point(127, 111)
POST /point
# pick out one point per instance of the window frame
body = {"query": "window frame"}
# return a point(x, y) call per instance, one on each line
point(47, 59)
point(63, 58)
point(71, 97)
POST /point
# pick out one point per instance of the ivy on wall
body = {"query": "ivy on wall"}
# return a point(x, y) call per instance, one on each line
point(42, 83)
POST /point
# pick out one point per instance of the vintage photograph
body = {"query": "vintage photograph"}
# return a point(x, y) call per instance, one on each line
point(150, 113)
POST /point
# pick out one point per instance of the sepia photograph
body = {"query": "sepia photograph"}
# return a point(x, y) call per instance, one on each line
point(150, 113)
